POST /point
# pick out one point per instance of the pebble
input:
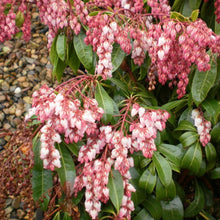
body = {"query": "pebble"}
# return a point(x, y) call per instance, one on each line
point(17, 90)
point(16, 202)
point(2, 116)
point(5, 86)
point(27, 99)
point(2, 98)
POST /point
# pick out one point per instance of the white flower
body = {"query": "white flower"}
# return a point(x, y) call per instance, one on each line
point(56, 163)
point(87, 116)
point(160, 54)
point(161, 41)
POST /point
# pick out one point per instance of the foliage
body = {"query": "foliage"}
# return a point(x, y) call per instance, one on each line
point(135, 133)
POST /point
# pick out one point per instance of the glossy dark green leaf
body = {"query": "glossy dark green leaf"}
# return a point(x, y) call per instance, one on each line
point(117, 57)
point(197, 204)
point(188, 138)
point(61, 47)
point(58, 69)
point(143, 215)
point(211, 155)
point(42, 182)
point(195, 4)
point(104, 101)
point(174, 153)
point(178, 5)
point(72, 58)
point(202, 169)
point(165, 193)
point(147, 181)
point(171, 105)
point(212, 107)
point(215, 174)
point(186, 115)
point(193, 158)
point(53, 52)
point(215, 133)
point(163, 168)
point(74, 147)
point(152, 205)
point(66, 172)
point(121, 85)
point(38, 163)
point(207, 14)
point(172, 210)
point(185, 126)
point(194, 15)
point(116, 190)
point(202, 83)
point(144, 68)
point(67, 216)
point(83, 51)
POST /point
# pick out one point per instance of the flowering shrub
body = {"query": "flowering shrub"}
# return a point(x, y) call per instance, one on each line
point(133, 135)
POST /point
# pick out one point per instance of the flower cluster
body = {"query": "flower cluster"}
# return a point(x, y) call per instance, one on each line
point(62, 115)
point(95, 180)
point(203, 126)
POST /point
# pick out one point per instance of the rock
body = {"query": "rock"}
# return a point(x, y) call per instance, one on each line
point(8, 210)
point(22, 79)
point(6, 126)
point(12, 88)
point(16, 202)
point(20, 213)
point(8, 201)
point(2, 97)
point(25, 84)
point(5, 86)
point(17, 90)
point(44, 60)
point(2, 116)
point(17, 121)
point(2, 142)
point(6, 111)
point(27, 99)
point(18, 112)
point(12, 110)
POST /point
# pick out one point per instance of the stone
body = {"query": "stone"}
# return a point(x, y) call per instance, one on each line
point(27, 99)
point(12, 110)
point(8, 210)
point(44, 60)
point(18, 112)
point(8, 201)
point(2, 116)
point(20, 213)
point(17, 121)
point(6, 111)
point(25, 84)
point(16, 202)
point(5, 86)
point(2, 98)
point(22, 79)
point(2, 142)
point(6, 126)
point(17, 90)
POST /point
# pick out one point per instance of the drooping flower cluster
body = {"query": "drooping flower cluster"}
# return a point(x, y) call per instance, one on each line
point(62, 115)
point(115, 148)
point(203, 126)
point(95, 180)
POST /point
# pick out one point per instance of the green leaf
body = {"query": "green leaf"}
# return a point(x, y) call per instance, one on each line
point(185, 126)
point(19, 20)
point(202, 83)
point(74, 147)
point(188, 138)
point(72, 59)
point(104, 101)
point(142, 215)
point(193, 158)
point(121, 85)
point(163, 168)
point(67, 216)
point(42, 182)
point(61, 47)
point(165, 193)
point(197, 204)
point(194, 15)
point(215, 174)
point(171, 105)
point(208, 14)
point(144, 68)
point(211, 155)
point(177, 16)
point(147, 181)
point(53, 52)
point(173, 153)
point(38, 163)
point(116, 190)
point(117, 57)
point(83, 51)
point(195, 4)
point(212, 107)
point(57, 216)
point(215, 133)
point(172, 210)
point(66, 172)
point(153, 206)
point(178, 5)
point(58, 69)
